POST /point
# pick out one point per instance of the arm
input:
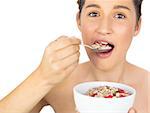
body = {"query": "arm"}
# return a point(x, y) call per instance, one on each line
point(26, 96)
point(39, 106)
point(59, 60)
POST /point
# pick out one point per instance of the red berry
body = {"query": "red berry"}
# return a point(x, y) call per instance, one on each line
point(109, 96)
point(93, 95)
point(121, 90)
point(122, 95)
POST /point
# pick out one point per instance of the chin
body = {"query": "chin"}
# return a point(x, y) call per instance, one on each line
point(102, 64)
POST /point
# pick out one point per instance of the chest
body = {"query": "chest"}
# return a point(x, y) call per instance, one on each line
point(61, 100)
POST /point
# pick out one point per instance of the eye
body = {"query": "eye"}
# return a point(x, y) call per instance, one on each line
point(120, 16)
point(93, 14)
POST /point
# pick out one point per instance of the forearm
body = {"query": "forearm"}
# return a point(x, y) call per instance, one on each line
point(26, 95)
point(55, 67)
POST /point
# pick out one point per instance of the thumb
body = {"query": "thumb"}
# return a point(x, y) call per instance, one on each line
point(132, 110)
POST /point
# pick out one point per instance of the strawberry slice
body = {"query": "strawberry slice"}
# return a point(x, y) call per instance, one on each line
point(122, 95)
point(109, 96)
point(121, 90)
point(94, 94)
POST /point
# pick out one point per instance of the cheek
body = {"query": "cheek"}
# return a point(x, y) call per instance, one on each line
point(124, 33)
point(123, 28)
point(87, 31)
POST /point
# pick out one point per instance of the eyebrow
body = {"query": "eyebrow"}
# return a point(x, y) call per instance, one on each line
point(115, 7)
point(93, 5)
point(121, 7)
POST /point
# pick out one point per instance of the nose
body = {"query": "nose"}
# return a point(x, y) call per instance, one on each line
point(105, 27)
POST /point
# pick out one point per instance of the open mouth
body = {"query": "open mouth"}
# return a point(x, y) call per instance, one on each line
point(103, 47)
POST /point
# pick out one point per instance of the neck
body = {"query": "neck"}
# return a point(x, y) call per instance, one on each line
point(115, 74)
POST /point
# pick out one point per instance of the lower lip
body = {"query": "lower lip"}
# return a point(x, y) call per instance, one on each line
point(104, 55)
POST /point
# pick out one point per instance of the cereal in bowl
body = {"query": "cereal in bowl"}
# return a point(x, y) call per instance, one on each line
point(107, 92)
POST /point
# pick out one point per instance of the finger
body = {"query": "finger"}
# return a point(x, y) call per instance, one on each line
point(77, 111)
point(71, 68)
point(132, 110)
point(65, 63)
point(70, 60)
point(63, 42)
point(66, 52)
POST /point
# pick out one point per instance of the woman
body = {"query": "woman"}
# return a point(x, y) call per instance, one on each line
point(110, 23)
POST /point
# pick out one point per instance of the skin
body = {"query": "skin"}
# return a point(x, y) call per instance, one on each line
point(54, 68)
point(52, 82)
point(114, 68)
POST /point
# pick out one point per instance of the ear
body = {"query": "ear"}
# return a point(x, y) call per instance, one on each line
point(78, 20)
point(137, 27)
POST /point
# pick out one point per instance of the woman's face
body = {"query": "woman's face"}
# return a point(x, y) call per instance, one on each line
point(112, 23)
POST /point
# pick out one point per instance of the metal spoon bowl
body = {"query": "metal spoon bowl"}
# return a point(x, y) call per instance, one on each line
point(96, 49)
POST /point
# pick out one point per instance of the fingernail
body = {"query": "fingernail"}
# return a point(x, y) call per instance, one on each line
point(132, 111)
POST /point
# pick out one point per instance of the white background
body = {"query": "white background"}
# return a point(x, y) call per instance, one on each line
point(27, 26)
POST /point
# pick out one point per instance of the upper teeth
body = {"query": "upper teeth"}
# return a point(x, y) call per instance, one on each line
point(104, 42)
point(101, 46)
point(105, 47)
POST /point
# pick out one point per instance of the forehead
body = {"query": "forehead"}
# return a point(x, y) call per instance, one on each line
point(110, 3)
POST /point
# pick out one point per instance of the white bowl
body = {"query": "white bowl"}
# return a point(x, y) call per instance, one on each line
point(87, 104)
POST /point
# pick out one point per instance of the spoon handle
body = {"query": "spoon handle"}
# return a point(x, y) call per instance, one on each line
point(88, 46)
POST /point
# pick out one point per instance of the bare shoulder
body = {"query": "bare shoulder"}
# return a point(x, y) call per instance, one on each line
point(82, 67)
point(138, 72)
point(139, 79)
point(149, 77)
point(60, 100)
point(149, 86)
point(82, 70)
point(81, 73)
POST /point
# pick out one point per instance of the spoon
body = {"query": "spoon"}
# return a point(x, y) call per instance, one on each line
point(96, 49)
